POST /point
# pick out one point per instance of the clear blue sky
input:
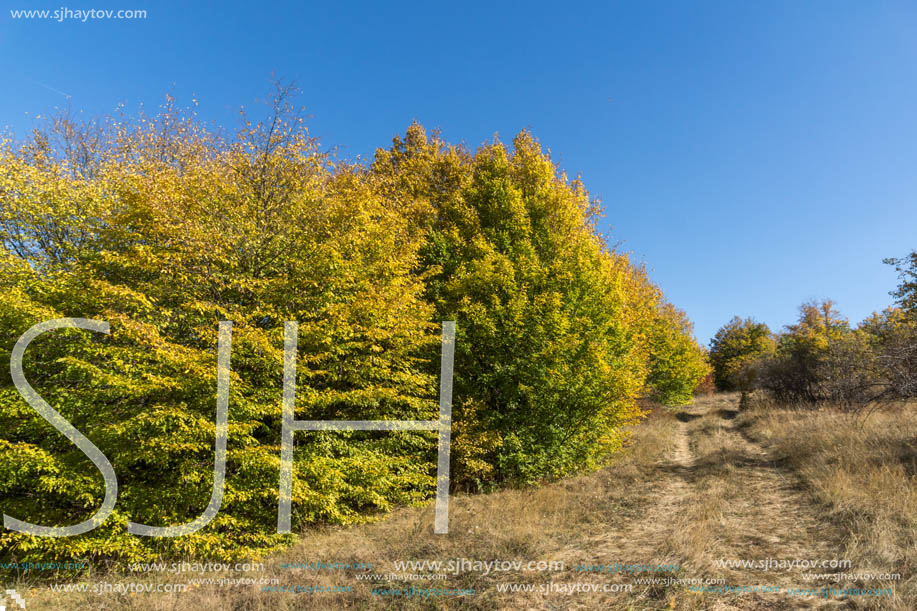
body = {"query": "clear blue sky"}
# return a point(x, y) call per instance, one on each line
point(753, 154)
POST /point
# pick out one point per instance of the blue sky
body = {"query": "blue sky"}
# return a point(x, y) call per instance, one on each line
point(754, 155)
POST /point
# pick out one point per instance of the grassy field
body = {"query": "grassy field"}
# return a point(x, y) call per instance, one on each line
point(698, 488)
point(861, 473)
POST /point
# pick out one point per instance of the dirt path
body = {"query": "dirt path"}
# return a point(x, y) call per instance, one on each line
point(718, 497)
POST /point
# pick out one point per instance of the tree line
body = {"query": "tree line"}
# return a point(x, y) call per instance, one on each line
point(823, 360)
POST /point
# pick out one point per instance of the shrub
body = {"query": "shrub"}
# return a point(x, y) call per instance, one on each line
point(892, 336)
point(706, 386)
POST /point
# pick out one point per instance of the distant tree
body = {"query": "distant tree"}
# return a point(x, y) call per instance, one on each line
point(736, 349)
point(677, 362)
point(892, 335)
point(819, 322)
point(821, 359)
point(879, 327)
point(793, 376)
point(906, 293)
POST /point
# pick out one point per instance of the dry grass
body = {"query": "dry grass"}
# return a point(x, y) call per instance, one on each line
point(863, 473)
point(695, 486)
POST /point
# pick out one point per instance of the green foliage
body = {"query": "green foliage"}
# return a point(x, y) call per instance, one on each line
point(558, 334)
point(906, 293)
point(735, 351)
point(163, 228)
point(171, 232)
point(677, 362)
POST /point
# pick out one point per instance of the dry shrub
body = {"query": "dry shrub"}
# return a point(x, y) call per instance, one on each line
point(705, 387)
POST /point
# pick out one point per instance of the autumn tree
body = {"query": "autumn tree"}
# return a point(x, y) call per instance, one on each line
point(171, 231)
point(821, 359)
point(559, 334)
point(736, 352)
point(892, 336)
point(906, 293)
